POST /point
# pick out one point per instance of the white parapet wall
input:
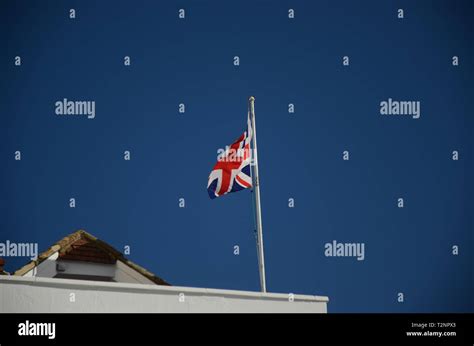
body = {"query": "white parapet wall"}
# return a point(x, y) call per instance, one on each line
point(50, 295)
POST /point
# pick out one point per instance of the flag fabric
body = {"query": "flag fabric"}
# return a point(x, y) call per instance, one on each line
point(231, 173)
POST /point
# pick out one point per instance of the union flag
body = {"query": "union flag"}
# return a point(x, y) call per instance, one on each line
point(231, 173)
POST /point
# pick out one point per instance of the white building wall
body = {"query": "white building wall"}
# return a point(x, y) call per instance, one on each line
point(36, 294)
point(120, 272)
point(123, 273)
point(85, 268)
point(47, 268)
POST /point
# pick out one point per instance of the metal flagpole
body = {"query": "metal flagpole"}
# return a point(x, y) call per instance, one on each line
point(256, 187)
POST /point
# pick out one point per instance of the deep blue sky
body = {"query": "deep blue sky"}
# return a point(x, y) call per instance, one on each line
point(282, 61)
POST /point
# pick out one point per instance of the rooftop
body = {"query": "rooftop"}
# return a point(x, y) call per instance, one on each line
point(84, 247)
